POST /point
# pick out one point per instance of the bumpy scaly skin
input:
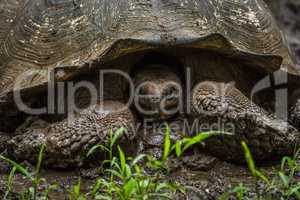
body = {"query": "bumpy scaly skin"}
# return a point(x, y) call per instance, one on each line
point(295, 114)
point(3, 140)
point(68, 142)
point(267, 136)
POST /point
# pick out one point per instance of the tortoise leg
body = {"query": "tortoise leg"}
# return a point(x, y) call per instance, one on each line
point(68, 141)
point(294, 115)
point(4, 137)
point(224, 105)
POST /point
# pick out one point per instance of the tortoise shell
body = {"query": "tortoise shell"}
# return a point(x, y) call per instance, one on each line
point(37, 36)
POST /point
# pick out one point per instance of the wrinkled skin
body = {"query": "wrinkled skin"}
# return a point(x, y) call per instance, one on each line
point(268, 137)
point(67, 143)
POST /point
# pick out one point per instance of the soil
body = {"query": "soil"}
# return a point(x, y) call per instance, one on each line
point(202, 183)
point(205, 183)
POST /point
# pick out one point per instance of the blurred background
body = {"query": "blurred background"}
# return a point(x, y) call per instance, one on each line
point(287, 13)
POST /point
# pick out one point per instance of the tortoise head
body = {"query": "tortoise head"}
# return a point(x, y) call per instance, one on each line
point(158, 92)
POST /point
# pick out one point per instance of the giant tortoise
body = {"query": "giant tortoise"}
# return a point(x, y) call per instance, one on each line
point(202, 56)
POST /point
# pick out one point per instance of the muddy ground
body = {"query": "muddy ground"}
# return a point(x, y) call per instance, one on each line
point(206, 182)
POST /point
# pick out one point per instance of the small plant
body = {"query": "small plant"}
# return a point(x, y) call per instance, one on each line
point(10, 183)
point(35, 179)
point(251, 164)
point(113, 137)
point(178, 148)
point(240, 192)
point(282, 185)
point(183, 145)
point(75, 193)
point(127, 179)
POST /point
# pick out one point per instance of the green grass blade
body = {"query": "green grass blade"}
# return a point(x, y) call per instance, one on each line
point(116, 135)
point(96, 188)
point(129, 188)
point(199, 138)
point(251, 164)
point(284, 161)
point(10, 182)
point(114, 162)
point(297, 194)
point(128, 171)
point(138, 159)
point(122, 159)
point(295, 191)
point(167, 143)
point(285, 179)
point(115, 173)
point(262, 177)
point(178, 149)
point(296, 154)
point(96, 147)
point(20, 169)
point(102, 197)
point(32, 193)
point(40, 159)
point(11, 177)
point(76, 189)
point(249, 159)
point(240, 191)
point(160, 187)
